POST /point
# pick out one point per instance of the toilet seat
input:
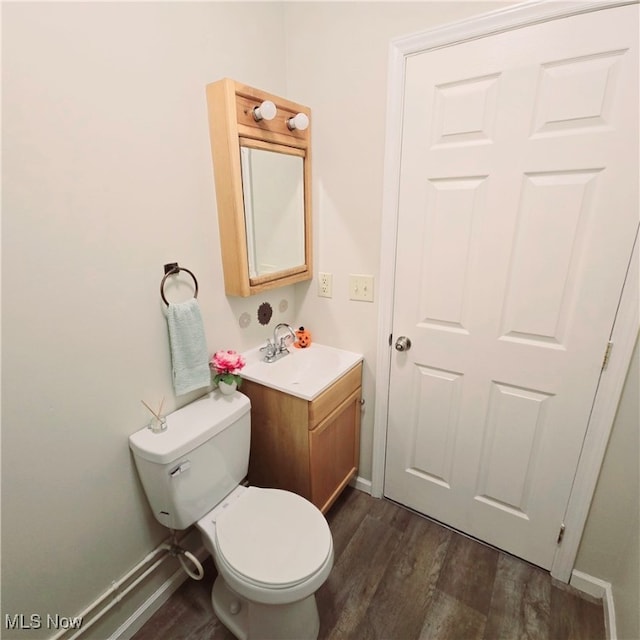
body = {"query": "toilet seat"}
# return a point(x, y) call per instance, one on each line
point(273, 539)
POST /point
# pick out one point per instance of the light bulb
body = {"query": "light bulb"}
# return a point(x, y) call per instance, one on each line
point(266, 111)
point(299, 121)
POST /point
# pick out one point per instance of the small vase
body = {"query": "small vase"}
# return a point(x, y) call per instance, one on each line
point(158, 425)
point(227, 389)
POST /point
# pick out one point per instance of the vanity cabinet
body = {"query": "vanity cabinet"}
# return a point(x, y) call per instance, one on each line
point(310, 447)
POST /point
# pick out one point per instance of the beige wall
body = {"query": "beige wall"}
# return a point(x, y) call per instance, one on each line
point(107, 176)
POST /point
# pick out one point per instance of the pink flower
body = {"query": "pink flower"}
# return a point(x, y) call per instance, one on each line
point(226, 365)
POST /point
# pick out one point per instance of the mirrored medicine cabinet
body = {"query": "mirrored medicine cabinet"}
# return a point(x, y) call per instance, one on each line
point(261, 150)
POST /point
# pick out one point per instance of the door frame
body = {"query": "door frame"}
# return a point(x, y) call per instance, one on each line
point(627, 322)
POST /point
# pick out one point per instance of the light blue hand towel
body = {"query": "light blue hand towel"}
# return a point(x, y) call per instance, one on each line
point(189, 355)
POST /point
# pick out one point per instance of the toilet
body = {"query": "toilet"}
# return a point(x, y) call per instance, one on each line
point(273, 549)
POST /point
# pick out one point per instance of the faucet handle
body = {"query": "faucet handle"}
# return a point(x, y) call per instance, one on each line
point(270, 349)
point(270, 345)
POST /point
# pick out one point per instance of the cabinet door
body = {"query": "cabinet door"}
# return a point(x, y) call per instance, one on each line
point(279, 455)
point(334, 447)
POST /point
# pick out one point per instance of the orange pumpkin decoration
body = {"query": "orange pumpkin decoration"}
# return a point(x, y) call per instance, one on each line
point(304, 338)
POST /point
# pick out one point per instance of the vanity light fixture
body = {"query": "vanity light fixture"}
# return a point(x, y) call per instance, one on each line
point(300, 121)
point(265, 111)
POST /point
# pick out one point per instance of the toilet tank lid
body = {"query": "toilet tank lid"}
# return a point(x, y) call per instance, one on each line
point(189, 427)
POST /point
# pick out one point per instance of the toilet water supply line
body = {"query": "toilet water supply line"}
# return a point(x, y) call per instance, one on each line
point(177, 551)
point(171, 548)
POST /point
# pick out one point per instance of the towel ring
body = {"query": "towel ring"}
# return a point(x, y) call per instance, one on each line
point(172, 269)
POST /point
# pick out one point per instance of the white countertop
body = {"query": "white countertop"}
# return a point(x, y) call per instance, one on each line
point(304, 373)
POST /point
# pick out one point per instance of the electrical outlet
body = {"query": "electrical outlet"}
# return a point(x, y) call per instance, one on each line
point(361, 287)
point(325, 285)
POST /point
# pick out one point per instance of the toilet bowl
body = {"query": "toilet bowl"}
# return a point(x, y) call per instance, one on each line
point(273, 550)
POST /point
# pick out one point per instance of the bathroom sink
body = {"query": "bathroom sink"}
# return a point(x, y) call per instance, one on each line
point(304, 373)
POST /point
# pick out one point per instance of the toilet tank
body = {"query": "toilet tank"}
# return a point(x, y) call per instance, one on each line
point(197, 461)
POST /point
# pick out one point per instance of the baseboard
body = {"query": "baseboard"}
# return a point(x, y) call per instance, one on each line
point(361, 484)
point(588, 584)
point(144, 612)
point(598, 589)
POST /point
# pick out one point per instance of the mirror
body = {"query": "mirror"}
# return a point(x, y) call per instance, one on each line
point(262, 171)
point(273, 190)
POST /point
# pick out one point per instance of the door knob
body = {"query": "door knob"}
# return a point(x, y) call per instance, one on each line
point(403, 343)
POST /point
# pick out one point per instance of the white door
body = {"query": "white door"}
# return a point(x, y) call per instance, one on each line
point(517, 213)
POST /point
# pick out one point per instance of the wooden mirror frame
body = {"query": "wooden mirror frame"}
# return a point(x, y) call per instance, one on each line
point(230, 107)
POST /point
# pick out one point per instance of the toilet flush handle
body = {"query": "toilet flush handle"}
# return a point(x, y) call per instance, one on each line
point(181, 468)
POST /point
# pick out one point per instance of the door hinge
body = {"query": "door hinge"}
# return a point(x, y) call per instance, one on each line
point(560, 534)
point(607, 353)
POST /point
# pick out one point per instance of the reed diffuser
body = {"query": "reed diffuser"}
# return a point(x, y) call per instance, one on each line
point(158, 422)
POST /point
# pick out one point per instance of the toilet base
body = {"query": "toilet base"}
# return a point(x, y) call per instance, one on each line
point(252, 620)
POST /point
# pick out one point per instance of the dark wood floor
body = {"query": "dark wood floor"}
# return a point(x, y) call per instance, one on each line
point(398, 576)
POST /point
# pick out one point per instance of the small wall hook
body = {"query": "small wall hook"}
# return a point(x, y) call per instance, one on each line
point(170, 267)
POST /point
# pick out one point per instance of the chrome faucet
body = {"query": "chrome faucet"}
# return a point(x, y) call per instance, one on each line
point(281, 343)
point(278, 348)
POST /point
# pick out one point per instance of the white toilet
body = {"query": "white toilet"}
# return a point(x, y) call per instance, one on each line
point(273, 549)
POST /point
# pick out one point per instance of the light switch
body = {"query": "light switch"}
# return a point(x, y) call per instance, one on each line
point(361, 287)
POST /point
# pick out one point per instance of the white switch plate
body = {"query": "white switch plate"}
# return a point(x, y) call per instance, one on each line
point(361, 287)
point(325, 285)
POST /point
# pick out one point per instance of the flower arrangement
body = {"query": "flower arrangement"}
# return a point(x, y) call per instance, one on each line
point(226, 365)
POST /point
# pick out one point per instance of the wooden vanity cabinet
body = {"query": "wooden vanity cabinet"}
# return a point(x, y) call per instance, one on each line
point(309, 447)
